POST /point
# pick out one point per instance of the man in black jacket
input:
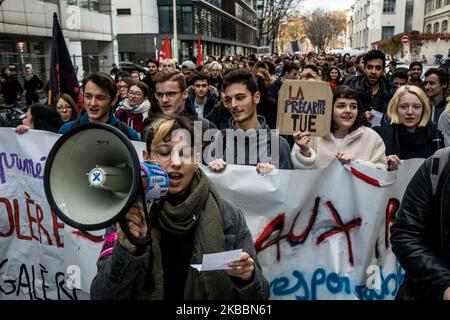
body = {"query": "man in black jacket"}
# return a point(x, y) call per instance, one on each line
point(420, 235)
point(202, 96)
point(374, 91)
point(10, 87)
point(32, 84)
point(290, 71)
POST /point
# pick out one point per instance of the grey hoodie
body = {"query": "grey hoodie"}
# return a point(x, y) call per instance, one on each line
point(251, 147)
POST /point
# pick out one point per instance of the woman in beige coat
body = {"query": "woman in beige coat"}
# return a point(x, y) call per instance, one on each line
point(348, 140)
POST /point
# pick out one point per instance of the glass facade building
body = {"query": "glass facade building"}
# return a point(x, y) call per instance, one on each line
point(226, 27)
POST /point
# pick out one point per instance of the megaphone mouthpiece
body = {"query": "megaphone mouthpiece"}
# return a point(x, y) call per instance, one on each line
point(109, 178)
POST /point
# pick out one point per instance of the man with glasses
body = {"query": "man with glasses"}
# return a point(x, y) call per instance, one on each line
point(100, 94)
point(202, 97)
point(171, 94)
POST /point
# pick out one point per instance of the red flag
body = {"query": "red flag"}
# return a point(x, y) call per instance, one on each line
point(63, 78)
point(166, 51)
point(199, 52)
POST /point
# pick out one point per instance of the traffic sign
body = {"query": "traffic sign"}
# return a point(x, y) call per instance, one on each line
point(405, 39)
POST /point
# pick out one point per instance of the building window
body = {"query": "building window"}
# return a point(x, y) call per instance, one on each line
point(444, 27)
point(387, 33)
point(429, 6)
point(165, 19)
point(123, 12)
point(389, 6)
point(436, 27)
point(409, 8)
point(438, 4)
point(428, 29)
point(127, 56)
point(409, 15)
point(185, 20)
point(91, 5)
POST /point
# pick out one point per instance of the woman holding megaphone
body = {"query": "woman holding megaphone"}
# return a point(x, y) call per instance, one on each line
point(192, 221)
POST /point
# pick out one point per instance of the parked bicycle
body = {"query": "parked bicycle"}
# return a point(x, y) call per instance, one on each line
point(11, 116)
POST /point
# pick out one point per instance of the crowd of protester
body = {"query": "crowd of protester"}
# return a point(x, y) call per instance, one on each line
point(380, 117)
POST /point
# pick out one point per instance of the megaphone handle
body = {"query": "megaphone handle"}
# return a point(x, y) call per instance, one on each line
point(126, 230)
point(136, 241)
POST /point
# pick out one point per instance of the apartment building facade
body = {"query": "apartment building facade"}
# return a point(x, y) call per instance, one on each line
point(374, 20)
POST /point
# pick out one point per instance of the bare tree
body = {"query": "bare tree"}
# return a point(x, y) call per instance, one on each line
point(323, 27)
point(271, 14)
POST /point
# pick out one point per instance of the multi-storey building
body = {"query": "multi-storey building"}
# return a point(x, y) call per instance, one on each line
point(437, 16)
point(375, 20)
point(226, 27)
point(26, 31)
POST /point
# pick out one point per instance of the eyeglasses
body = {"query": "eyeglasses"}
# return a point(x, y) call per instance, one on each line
point(59, 108)
point(167, 65)
point(124, 86)
point(169, 95)
point(135, 93)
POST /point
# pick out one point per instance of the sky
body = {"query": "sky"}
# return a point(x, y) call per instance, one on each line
point(326, 4)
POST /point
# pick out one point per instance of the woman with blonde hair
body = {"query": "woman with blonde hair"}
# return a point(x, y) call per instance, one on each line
point(263, 74)
point(409, 134)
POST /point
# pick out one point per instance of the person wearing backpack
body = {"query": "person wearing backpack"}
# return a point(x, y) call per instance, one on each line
point(420, 234)
point(100, 94)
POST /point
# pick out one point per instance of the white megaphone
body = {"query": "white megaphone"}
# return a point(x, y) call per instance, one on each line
point(93, 176)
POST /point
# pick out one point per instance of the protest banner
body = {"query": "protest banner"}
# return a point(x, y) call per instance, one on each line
point(304, 106)
point(319, 234)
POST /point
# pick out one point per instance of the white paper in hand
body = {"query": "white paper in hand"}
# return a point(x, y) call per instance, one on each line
point(218, 261)
point(377, 117)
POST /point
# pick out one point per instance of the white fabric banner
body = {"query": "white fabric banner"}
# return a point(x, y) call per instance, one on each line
point(320, 234)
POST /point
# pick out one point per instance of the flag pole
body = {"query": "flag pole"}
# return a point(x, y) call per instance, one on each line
point(156, 48)
point(175, 36)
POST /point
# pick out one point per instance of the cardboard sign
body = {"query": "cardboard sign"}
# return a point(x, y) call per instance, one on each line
point(305, 106)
